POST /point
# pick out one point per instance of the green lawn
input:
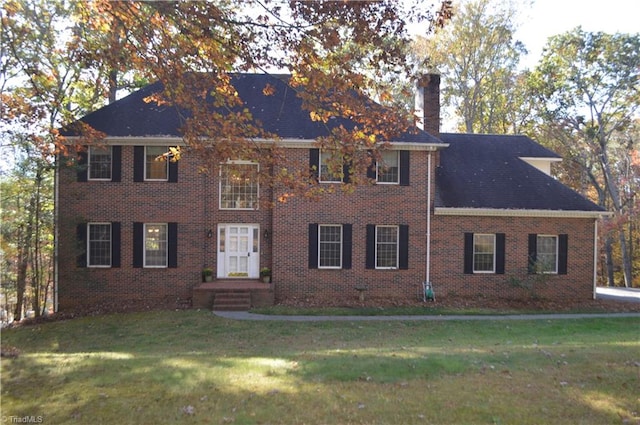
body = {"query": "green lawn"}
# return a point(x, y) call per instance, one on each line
point(192, 367)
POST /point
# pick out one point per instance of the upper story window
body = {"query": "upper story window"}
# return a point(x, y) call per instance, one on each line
point(239, 185)
point(99, 245)
point(484, 250)
point(388, 169)
point(328, 173)
point(155, 245)
point(100, 159)
point(393, 167)
point(156, 168)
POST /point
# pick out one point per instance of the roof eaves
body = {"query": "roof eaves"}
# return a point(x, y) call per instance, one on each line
point(498, 212)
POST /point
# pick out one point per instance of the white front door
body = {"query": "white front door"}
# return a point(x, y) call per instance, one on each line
point(238, 251)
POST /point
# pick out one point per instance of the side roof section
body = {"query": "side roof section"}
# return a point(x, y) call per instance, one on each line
point(479, 171)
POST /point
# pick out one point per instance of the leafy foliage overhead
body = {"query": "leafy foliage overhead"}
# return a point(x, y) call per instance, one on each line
point(337, 53)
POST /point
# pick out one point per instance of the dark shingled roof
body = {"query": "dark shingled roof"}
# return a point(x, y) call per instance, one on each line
point(280, 113)
point(484, 171)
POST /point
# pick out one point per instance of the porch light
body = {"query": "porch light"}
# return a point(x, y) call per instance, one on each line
point(266, 234)
point(210, 233)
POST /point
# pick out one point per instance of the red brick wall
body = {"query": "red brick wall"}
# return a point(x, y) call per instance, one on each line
point(128, 202)
point(447, 268)
point(192, 202)
point(376, 204)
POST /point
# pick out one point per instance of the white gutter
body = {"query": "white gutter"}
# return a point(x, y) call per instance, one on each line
point(496, 212)
point(286, 143)
point(428, 269)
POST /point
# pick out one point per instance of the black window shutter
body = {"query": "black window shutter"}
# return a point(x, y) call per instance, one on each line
point(403, 247)
point(115, 244)
point(371, 169)
point(138, 244)
point(533, 253)
point(347, 231)
point(371, 247)
point(468, 253)
point(314, 162)
point(346, 173)
point(173, 171)
point(500, 252)
point(83, 165)
point(138, 164)
point(172, 244)
point(563, 249)
point(313, 245)
point(404, 168)
point(81, 235)
point(116, 163)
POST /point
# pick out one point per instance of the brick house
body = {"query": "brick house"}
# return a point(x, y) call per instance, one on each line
point(476, 215)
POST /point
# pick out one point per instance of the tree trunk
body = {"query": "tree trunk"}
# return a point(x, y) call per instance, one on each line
point(608, 251)
point(626, 261)
point(113, 85)
point(36, 266)
point(21, 283)
point(612, 190)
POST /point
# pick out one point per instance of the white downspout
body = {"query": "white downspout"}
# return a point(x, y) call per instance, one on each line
point(428, 268)
point(595, 257)
point(56, 225)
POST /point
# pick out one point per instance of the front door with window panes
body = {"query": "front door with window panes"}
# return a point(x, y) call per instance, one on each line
point(238, 251)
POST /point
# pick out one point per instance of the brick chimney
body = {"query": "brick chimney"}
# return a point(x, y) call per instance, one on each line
point(428, 103)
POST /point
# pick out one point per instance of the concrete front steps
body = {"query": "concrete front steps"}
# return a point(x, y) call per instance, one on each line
point(232, 300)
point(232, 295)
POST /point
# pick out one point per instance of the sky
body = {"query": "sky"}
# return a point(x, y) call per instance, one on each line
point(550, 17)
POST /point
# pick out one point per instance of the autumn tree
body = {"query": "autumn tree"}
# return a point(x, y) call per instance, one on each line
point(588, 98)
point(27, 233)
point(478, 57)
point(44, 83)
point(63, 58)
point(339, 54)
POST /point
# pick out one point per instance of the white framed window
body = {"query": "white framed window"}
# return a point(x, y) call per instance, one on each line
point(155, 245)
point(239, 187)
point(327, 173)
point(330, 246)
point(99, 244)
point(386, 247)
point(155, 168)
point(100, 160)
point(388, 168)
point(484, 253)
point(547, 254)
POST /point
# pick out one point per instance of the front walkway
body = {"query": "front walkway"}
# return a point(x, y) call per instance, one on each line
point(243, 315)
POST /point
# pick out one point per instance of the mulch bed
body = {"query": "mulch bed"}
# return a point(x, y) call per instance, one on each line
point(489, 304)
point(450, 303)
